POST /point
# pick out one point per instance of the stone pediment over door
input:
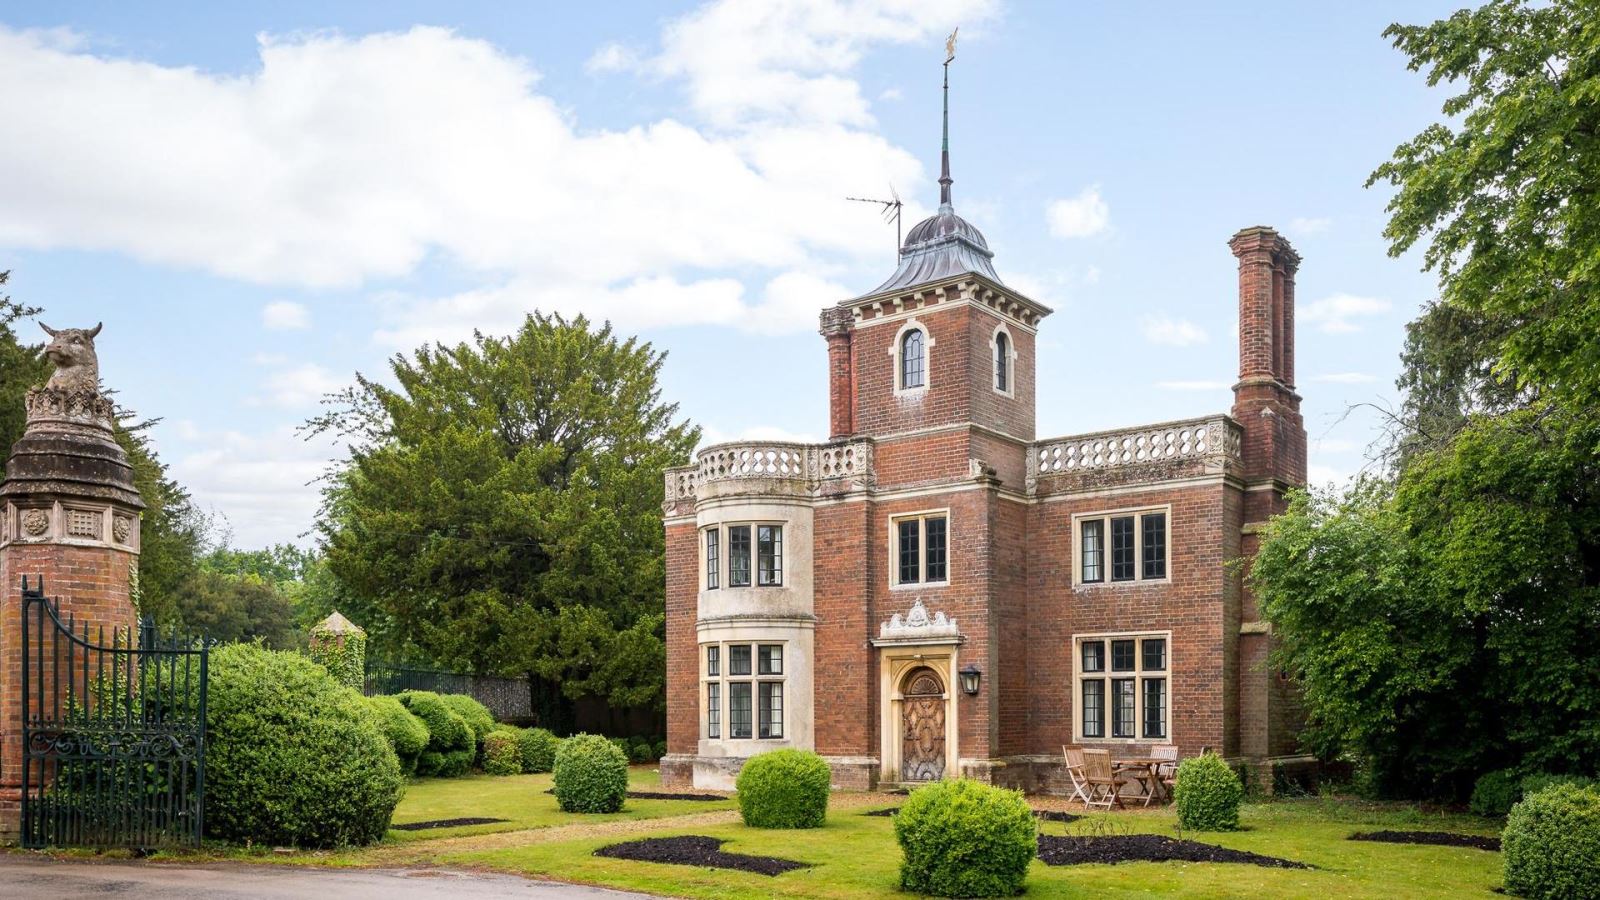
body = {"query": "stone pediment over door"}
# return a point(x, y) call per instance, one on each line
point(918, 626)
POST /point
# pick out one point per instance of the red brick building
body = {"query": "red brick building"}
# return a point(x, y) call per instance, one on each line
point(937, 591)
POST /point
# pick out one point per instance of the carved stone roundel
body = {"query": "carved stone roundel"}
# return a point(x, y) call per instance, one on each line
point(35, 522)
point(121, 527)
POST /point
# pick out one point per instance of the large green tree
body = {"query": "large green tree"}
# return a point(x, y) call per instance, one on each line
point(1443, 624)
point(1505, 194)
point(500, 508)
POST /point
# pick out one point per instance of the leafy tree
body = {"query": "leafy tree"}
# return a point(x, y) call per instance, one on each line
point(499, 510)
point(231, 608)
point(22, 366)
point(1442, 624)
point(1507, 195)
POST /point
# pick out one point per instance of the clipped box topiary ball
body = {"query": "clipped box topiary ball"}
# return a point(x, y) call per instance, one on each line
point(591, 775)
point(405, 732)
point(1494, 793)
point(538, 750)
point(477, 716)
point(1207, 794)
point(501, 753)
point(784, 789)
point(293, 757)
point(1552, 844)
point(965, 839)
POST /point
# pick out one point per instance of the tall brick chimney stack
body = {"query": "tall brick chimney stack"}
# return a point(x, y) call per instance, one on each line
point(836, 328)
point(69, 514)
point(1265, 402)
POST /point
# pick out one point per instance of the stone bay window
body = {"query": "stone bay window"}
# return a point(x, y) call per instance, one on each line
point(744, 688)
point(763, 543)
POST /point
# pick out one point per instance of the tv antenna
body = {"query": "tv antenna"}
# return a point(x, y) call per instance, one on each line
point(890, 212)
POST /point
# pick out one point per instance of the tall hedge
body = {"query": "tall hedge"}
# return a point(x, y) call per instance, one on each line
point(293, 757)
point(450, 749)
point(406, 733)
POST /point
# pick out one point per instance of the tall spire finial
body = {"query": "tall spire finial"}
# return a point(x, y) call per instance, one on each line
point(944, 153)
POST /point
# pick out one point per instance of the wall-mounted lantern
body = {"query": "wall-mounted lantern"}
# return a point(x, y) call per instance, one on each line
point(970, 675)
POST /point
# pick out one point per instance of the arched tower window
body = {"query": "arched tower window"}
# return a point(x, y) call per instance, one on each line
point(912, 359)
point(1002, 363)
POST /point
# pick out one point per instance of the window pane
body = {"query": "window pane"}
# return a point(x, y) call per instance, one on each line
point(1155, 654)
point(739, 556)
point(739, 709)
point(1122, 698)
point(769, 555)
point(1094, 549)
point(1094, 656)
point(1121, 656)
point(934, 531)
point(1155, 545)
point(1094, 707)
point(771, 709)
point(713, 710)
point(712, 561)
point(739, 659)
point(713, 660)
point(1155, 707)
point(1002, 362)
point(909, 573)
point(911, 359)
point(770, 659)
point(1122, 549)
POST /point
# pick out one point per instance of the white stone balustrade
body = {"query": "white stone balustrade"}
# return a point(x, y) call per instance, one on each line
point(808, 464)
point(1217, 439)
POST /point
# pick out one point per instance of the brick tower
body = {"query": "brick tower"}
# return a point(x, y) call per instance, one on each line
point(69, 514)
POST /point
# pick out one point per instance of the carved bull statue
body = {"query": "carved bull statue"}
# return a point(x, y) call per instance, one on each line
point(72, 351)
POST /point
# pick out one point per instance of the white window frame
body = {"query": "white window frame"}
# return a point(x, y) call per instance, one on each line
point(1011, 359)
point(724, 577)
point(1138, 513)
point(1139, 676)
point(725, 679)
point(921, 516)
point(912, 323)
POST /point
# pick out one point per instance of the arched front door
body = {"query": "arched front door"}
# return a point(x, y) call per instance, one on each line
point(922, 727)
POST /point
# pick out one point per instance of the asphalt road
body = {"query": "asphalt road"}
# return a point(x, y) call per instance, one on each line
point(25, 876)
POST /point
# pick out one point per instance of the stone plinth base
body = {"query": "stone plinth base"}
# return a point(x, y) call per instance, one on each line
point(719, 773)
point(853, 773)
point(10, 814)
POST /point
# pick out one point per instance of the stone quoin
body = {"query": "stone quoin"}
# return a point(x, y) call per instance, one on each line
point(830, 596)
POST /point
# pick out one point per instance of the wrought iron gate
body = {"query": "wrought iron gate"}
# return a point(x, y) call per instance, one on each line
point(113, 732)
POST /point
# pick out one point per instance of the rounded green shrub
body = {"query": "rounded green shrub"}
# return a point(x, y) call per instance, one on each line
point(293, 757)
point(501, 753)
point(1495, 792)
point(660, 749)
point(449, 736)
point(591, 775)
point(640, 751)
point(1533, 784)
point(405, 732)
point(784, 789)
point(477, 716)
point(964, 839)
point(1207, 795)
point(538, 747)
point(1552, 844)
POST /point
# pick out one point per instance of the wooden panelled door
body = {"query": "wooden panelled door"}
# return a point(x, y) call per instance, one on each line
point(922, 727)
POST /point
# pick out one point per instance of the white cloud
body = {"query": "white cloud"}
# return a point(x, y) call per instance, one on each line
point(746, 60)
point(1335, 445)
point(1198, 385)
point(342, 160)
point(300, 386)
point(1345, 378)
point(889, 95)
point(1308, 226)
point(285, 316)
point(612, 57)
point(1082, 216)
point(1337, 314)
point(1319, 475)
point(261, 482)
point(1170, 332)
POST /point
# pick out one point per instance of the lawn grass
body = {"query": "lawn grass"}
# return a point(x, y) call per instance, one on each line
point(521, 800)
point(856, 856)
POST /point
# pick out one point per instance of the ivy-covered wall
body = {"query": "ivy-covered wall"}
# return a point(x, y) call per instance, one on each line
point(341, 647)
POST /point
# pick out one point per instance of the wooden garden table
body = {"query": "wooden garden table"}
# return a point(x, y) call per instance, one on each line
point(1143, 770)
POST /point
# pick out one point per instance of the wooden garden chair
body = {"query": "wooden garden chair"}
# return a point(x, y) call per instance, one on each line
point(1075, 771)
point(1105, 785)
point(1166, 773)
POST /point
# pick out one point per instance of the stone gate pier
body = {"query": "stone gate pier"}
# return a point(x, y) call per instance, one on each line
point(69, 513)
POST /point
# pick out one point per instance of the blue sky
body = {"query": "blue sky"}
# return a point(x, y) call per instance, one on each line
point(261, 200)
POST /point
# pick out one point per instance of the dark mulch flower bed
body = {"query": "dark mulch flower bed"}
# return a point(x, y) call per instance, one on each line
point(696, 850)
point(1437, 838)
point(883, 812)
point(1051, 815)
point(663, 795)
point(445, 823)
point(1071, 851)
